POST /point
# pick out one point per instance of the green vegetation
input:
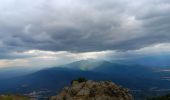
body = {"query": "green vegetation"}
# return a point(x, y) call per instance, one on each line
point(166, 97)
point(79, 80)
point(13, 97)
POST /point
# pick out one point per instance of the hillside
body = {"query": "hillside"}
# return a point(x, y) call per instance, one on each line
point(166, 97)
point(13, 97)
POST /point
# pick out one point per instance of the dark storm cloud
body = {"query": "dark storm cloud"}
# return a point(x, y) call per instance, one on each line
point(82, 25)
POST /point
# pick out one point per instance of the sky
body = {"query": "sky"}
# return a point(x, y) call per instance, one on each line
point(45, 33)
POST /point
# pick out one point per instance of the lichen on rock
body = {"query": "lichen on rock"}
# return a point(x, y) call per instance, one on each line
point(90, 90)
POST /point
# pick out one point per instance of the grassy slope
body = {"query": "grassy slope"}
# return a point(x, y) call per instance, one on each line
point(166, 97)
point(13, 97)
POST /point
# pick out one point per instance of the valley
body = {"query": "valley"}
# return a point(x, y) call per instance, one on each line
point(141, 80)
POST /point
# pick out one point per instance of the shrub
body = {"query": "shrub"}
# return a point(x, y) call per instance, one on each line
point(79, 80)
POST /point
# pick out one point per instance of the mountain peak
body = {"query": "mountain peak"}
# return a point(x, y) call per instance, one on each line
point(85, 65)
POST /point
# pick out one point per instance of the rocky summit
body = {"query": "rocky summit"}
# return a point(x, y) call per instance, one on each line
point(90, 90)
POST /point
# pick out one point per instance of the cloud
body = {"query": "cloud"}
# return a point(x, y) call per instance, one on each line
point(161, 50)
point(40, 59)
point(80, 26)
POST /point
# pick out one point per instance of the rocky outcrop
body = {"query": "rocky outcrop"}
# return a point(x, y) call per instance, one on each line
point(90, 90)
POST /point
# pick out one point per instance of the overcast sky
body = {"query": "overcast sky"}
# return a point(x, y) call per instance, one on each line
point(53, 32)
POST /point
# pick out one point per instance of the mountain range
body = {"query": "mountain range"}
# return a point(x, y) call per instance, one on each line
point(51, 80)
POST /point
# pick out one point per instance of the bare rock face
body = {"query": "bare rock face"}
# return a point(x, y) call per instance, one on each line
point(91, 90)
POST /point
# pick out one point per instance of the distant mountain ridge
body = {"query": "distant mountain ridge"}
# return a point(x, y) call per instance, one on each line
point(53, 79)
point(84, 65)
point(15, 72)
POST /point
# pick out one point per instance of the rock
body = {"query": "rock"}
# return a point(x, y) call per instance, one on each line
point(91, 90)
